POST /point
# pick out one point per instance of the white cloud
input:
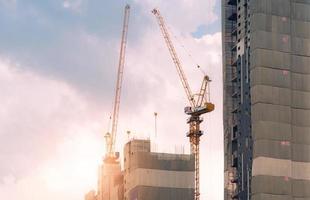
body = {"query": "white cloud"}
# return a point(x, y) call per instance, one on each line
point(74, 5)
point(9, 3)
point(185, 15)
point(50, 138)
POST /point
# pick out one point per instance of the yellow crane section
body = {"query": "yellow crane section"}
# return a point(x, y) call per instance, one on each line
point(111, 137)
point(197, 106)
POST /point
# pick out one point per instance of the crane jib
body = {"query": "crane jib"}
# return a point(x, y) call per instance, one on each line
point(110, 138)
point(174, 57)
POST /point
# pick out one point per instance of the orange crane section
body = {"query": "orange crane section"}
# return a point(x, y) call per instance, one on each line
point(197, 106)
point(111, 137)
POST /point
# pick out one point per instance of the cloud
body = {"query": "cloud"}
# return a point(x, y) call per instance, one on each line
point(37, 115)
point(65, 176)
point(74, 5)
point(8, 3)
point(193, 13)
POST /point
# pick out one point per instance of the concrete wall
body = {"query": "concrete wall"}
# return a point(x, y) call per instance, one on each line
point(277, 35)
point(149, 175)
point(160, 178)
point(160, 193)
point(280, 91)
point(110, 181)
point(91, 195)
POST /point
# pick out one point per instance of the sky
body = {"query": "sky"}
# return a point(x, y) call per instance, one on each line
point(58, 62)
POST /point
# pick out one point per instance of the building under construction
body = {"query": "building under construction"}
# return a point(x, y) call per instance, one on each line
point(146, 175)
point(266, 66)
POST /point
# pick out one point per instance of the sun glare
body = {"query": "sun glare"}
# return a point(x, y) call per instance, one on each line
point(76, 164)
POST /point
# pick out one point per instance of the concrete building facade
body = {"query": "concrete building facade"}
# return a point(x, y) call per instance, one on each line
point(91, 195)
point(154, 176)
point(110, 181)
point(146, 176)
point(266, 70)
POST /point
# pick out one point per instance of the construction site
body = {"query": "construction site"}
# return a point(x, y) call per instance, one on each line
point(155, 100)
point(146, 174)
point(266, 50)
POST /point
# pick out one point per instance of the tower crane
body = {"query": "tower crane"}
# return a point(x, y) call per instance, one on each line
point(111, 155)
point(199, 104)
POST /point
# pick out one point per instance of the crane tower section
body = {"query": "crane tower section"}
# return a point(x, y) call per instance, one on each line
point(111, 137)
point(198, 106)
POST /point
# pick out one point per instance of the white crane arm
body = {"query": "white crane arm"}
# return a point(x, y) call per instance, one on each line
point(174, 57)
point(120, 72)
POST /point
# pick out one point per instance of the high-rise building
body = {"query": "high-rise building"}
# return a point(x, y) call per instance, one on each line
point(153, 176)
point(266, 70)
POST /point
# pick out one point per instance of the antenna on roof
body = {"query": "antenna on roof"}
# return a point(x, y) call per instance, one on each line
point(128, 135)
point(155, 124)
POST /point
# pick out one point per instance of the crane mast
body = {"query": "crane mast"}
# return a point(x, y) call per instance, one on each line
point(196, 108)
point(110, 138)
